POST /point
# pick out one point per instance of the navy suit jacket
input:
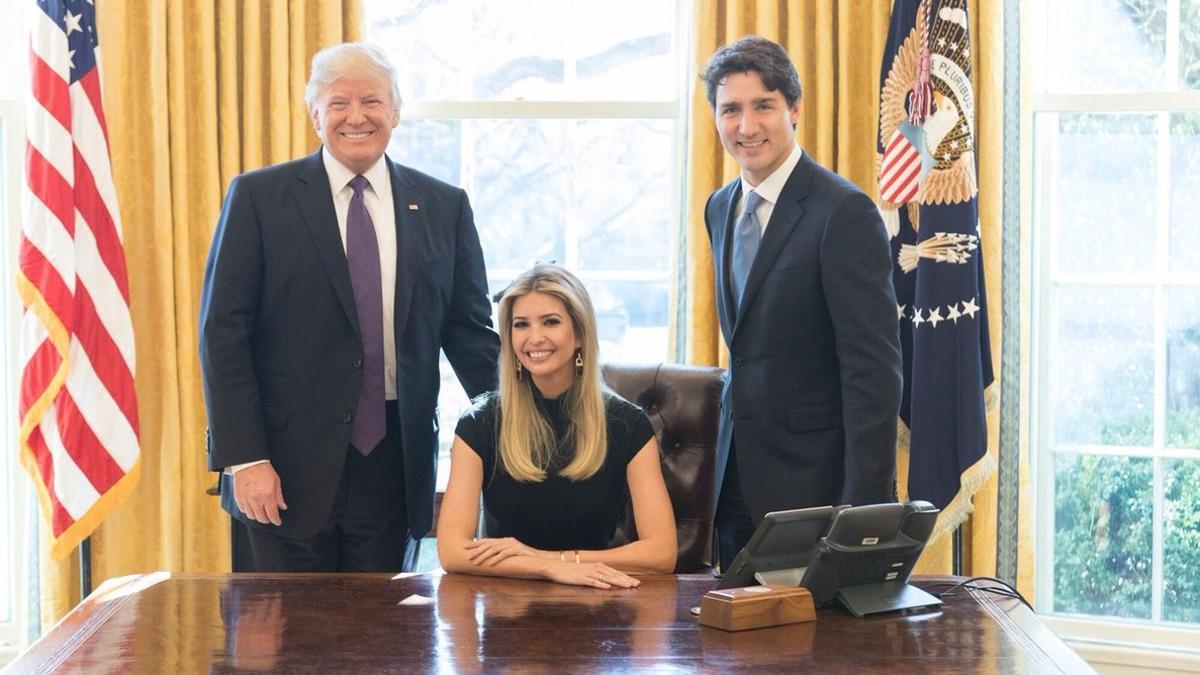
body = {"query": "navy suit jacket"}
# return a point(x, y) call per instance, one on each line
point(813, 389)
point(280, 352)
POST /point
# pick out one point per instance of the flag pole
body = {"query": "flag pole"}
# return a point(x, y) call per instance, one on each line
point(85, 568)
point(956, 552)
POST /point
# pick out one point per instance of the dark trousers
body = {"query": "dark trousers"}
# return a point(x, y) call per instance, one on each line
point(367, 529)
point(733, 522)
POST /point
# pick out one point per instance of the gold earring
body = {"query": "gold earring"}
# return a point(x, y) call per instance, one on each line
point(578, 362)
point(518, 371)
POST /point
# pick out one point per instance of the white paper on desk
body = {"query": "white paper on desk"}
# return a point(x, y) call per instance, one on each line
point(415, 600)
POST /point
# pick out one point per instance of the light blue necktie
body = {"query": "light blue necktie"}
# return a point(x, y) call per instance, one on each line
point(362, 256)
point(746, 235)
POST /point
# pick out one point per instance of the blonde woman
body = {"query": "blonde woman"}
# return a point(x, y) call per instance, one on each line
point(554, 455)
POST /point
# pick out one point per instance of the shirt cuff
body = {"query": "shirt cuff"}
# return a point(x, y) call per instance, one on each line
point(230, 470)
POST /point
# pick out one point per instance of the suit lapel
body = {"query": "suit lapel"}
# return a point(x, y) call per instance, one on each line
point(726, 206)
point(411, 225)
point(316, 208)
point(784, 218)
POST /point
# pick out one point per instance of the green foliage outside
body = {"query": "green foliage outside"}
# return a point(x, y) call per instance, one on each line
point(1103, 535)
point(1183, 428)
point(1189, 43)
point(1181, 541)
point(1103, 538)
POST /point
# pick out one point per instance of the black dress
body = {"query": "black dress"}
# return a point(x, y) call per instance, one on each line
point(557, 513)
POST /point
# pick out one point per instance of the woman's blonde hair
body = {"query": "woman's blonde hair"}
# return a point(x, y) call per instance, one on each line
point(526, 441)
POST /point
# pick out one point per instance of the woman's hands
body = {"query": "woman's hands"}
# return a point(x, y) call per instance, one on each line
point(594, 574)
point(490, 552)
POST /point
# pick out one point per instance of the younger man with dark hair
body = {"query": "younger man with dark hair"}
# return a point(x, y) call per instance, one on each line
point(805, 298)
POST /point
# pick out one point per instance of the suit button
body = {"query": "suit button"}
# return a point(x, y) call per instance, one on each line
point(347, 417)
point(737, 362)
point(358, 363)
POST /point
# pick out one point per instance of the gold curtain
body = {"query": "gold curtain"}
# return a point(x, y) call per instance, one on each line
point(194, 93)
point(837, 46)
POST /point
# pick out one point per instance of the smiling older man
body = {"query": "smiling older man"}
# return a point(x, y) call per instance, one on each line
point(332, 283)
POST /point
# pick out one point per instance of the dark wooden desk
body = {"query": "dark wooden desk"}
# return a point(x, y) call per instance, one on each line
point(342, 623)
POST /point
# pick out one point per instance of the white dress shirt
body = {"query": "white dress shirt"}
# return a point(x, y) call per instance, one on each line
point(769, 189)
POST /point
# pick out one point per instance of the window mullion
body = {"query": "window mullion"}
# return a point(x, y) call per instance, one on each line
point(466, 153)
point(1117, 102)
point(467, 109)
point(1161, 296)
point(1045, 333)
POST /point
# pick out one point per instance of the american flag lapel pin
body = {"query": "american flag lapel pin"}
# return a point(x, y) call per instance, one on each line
point(413, 207)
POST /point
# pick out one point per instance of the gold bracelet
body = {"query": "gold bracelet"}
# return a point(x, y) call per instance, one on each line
point(576, 556)
point(562, 556)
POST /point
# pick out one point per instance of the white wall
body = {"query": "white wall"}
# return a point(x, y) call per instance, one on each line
point(14, 50)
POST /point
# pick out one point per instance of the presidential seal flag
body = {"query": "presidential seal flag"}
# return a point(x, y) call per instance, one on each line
point(928, 197)
point(78, 411)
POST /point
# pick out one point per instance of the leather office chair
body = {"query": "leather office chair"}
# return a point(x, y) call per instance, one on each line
point(683, 403)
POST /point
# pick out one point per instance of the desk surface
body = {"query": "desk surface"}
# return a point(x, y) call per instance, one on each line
point(344, 623)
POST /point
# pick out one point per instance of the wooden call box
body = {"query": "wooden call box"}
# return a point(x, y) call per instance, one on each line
point(756, 607)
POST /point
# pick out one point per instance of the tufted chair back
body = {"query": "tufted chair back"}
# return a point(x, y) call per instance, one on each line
point(683, 403)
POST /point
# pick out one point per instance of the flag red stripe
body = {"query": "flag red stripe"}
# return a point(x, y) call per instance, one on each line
point(49, 186)
point(898, 160)
point(60, 520)
point(901, 193)
point(901, 183)
point(46, 278)
point(91, 207)
point(903, 172)
point(90, 84)
point(38, 372)
point(106, 358)
point(81, 444)
point(893, 156)
point(49, 90)
point(897, 139)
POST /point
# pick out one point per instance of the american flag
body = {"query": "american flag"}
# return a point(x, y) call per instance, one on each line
point(78, 409)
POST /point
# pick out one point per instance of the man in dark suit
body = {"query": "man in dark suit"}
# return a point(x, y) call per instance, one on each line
point(332, 283)
point(805, 298)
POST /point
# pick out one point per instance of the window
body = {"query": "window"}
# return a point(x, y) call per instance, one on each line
point(1116, 290)
point(13, 484)
point(563, 120)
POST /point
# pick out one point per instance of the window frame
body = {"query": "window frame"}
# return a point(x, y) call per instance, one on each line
point(1110, 640)
point(16, 486)
point(675, 110)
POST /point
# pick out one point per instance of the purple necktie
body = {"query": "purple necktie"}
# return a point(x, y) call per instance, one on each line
point(362, 255)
